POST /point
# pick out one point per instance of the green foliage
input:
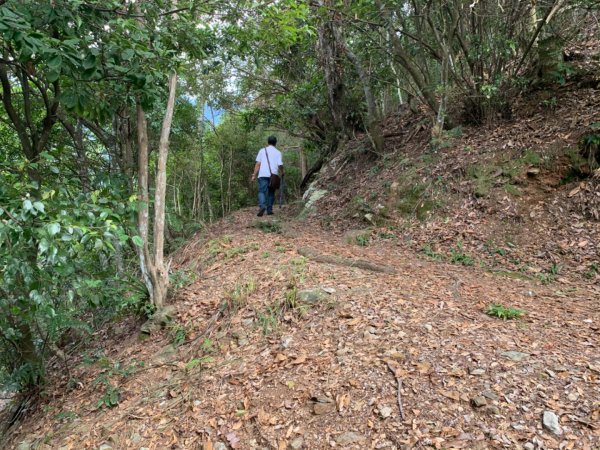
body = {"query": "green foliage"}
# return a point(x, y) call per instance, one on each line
point(592, 271)
point(268, 321)
point(502, 312)
point(429, 252)
point(363, 240)
point(178, 333)
point(112, 392)
point(457, 256)
point(55, 246)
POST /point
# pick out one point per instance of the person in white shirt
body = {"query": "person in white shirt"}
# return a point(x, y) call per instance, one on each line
point(267, 158)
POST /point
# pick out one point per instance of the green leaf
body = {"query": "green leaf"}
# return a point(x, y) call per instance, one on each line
point(137, 241)
point(127, 54)
point(39, 206)
point(27, 205)
point(55, 62)
point(53, 228)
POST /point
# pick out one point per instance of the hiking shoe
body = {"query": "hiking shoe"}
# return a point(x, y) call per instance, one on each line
point(270, 213)
point(261, 211)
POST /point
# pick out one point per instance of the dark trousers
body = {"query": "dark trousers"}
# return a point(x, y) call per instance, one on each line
point(266, 196)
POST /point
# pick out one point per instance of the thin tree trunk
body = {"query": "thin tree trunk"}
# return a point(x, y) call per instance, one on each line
point(146, 263)
point(303, 163)
point(160, 289)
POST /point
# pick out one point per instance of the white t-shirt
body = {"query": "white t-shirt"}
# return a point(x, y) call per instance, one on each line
point(274, 158)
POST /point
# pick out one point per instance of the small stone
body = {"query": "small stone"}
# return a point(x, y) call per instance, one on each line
point(286, 341)
point(477, 371)
point(24, 446)
point(428, 327)
point(533, 171)
point(528, 446)
point(478, 401)
point(515, 356)
point(219, 446)
point(550, 422)
point(297, 443)
point(490, 394)
point(329, 290)
point(105, 447)
point(136, 438)
point(573, 396)
point(385, 412)
point(350, 437)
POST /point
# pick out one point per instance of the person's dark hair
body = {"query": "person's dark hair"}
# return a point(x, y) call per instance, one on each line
point(272, 140)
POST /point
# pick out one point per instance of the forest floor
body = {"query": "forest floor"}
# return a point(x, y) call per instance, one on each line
point(376, 347)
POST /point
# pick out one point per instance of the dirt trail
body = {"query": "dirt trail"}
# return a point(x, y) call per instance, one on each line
point(263, 364)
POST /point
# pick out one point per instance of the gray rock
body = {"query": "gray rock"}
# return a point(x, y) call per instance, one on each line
point(297, 443)
point(105, 447)
point(528, 446)
point(385, 412)
point(515, 356)
point(247, 323)
point(550, 422)
point(312, 196)
point(219, 446)
point(24, 446)
point(490, 394)
point(136, 438)
point(478, 401)
point(477, 371)
point(350, 437)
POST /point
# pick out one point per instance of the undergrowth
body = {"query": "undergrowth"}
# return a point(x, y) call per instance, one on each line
point(503, 312)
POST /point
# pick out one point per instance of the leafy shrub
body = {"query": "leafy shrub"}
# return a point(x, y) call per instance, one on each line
point(502, 312)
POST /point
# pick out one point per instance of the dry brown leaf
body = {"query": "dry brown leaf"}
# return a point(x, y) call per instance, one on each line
point(299, 360)
point(451, 394)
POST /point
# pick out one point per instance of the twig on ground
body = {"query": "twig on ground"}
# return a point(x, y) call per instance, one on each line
point(399, 394)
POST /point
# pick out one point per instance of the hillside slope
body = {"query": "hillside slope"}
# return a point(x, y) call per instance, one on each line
point(515, 197)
